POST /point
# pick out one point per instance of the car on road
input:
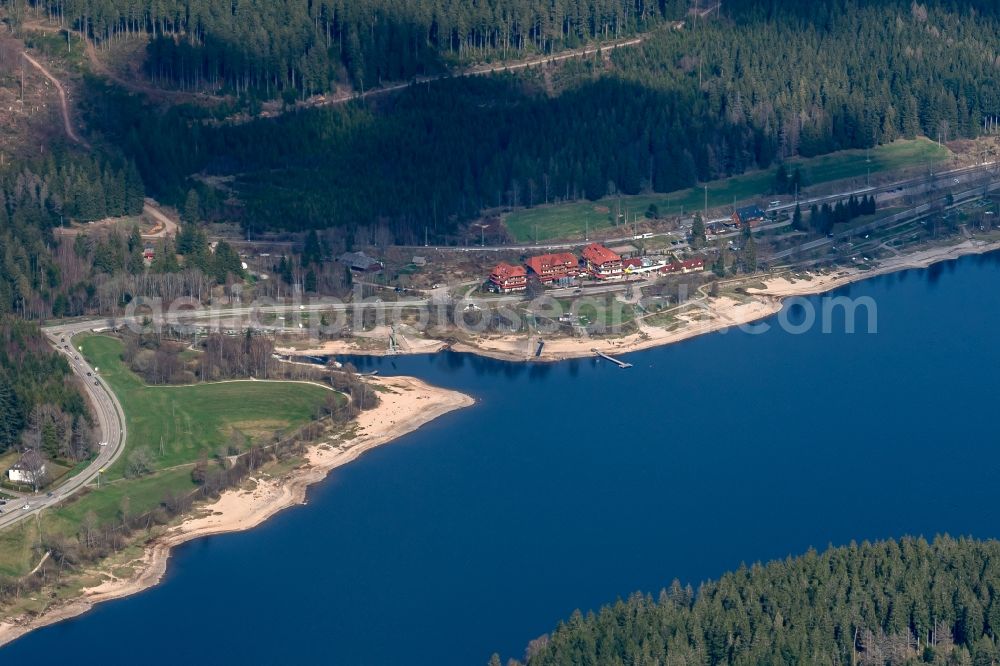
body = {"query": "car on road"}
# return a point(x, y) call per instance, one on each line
point(88, 374)
point(26, 507)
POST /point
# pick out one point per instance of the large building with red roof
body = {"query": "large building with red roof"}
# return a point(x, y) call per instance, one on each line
point(686, 266)
point(602, 263)
point(506, 279)
point(554, 267)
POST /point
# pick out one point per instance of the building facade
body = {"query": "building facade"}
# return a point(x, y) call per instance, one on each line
point(29, 469)
point(602, 263)
point(560, 267)
point(506, 279)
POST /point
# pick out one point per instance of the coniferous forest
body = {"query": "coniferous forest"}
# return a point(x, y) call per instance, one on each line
point(38, 395)
point(892, 602)
point(273, 46)
point(746, 87)
point(744, 90)
point(716, 98)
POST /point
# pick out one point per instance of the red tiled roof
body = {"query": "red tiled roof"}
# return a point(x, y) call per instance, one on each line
point(505, 271)
point(596, 253)
point(635, 262)
point(546, 262)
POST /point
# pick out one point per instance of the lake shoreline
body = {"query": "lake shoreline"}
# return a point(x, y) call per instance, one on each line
point(714, 315)
point(408, 404)
point(403, 410)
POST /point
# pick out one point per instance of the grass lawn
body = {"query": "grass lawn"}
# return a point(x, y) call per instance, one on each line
point(598, 310)
point(571, 220)
point(16, 542)
point(195, 420)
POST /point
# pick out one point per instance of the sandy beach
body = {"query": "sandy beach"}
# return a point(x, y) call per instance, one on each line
point(702, 315)
point(407, 404)
point(410, 403)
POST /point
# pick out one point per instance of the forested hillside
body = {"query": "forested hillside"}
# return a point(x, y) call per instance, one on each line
point(741, 91)
point(304, 47)
point(885, 603)
point(37, 277)
point(38, 395)
point(712, 100)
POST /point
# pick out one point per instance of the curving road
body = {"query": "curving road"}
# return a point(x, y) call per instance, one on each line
point(63, 104)
point(110, 422)
point(169, 227)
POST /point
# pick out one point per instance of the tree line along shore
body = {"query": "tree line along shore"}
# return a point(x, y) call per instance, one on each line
point(187, 443)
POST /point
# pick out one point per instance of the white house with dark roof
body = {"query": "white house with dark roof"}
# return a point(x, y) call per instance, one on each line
point(29, 469)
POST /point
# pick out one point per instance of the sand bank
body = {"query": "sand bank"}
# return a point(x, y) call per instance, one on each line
point(700, 315)
point(408, 404)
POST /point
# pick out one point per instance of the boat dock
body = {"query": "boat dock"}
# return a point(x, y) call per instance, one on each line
point(619, 363)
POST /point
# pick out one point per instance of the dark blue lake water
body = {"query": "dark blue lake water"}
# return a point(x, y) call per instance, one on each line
point(568, 485)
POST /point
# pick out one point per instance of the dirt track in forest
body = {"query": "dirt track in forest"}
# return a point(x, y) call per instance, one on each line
point(63, 104)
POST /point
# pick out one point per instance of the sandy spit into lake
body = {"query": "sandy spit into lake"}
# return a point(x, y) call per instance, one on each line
point(408, 404)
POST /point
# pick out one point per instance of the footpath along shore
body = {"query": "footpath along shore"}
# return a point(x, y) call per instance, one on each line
point(704, 315)
point(408, 404)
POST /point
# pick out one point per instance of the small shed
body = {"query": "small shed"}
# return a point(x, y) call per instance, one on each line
point(360, 262)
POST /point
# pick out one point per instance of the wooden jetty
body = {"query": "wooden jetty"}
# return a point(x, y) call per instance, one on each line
point(619, 363)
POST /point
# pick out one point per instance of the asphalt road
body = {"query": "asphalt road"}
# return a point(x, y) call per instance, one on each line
point(110, 421)
point(111, 418)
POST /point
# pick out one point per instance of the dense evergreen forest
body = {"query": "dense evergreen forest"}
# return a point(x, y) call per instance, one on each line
point(36, 278)
point(762, 82)
point(302, 47)
point(38, 395)
point(904, 602)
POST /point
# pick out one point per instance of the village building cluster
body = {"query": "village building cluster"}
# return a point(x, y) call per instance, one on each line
point(596, 263)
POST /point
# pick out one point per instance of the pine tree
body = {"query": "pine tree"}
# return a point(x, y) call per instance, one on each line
point(192, 207)
point(698, 236)
point(797, 223)
point(10, 415)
